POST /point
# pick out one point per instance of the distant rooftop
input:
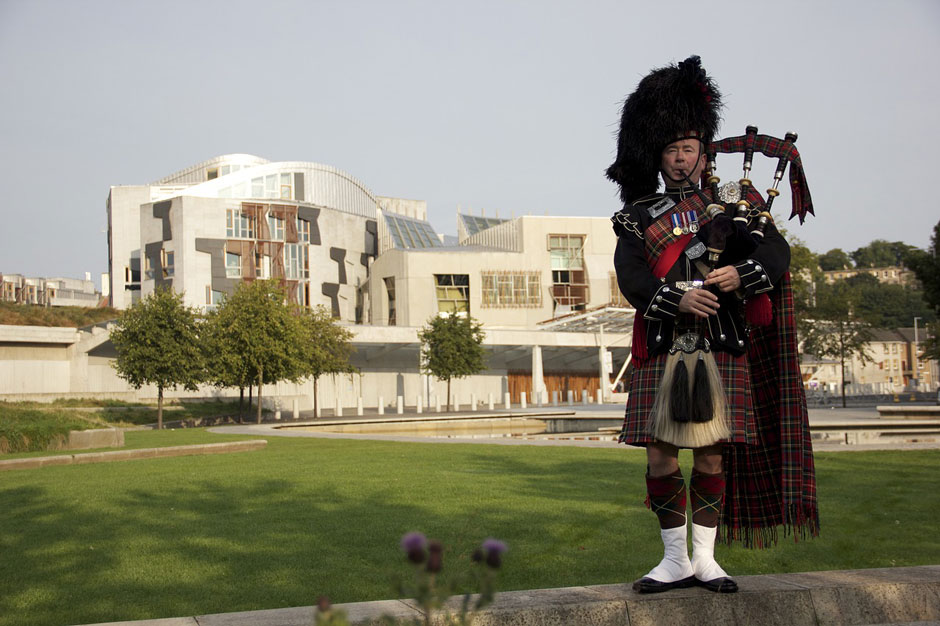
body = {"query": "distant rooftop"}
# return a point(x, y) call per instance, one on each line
point(473, 224)
point(407, 232)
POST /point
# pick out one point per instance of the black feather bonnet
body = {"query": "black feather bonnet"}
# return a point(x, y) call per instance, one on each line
point(670, 103)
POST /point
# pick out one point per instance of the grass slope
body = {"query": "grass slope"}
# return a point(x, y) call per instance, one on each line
point(28, 428)
point(69, 316)
point(305, 517)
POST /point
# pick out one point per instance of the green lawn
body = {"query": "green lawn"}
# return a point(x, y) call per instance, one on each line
point(305, 517)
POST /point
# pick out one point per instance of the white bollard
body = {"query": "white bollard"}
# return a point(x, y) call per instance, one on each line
point(456, 403)
point(419, 405)
point(600, 396)
point(400, 405)
point(295, 413)
point(381, 406)
point(507, 400)
point(491, 402)
point(584, 396)
point(473, 402)
point(359, 405)
point(437, 403)
point(277, 415)
point(570, 397)
point(319, 410)
point(338, 411)
point(555, 398)
point(522, 402)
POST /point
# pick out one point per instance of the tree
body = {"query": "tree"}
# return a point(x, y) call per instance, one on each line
point(259, 336)
point(835, 259)
point(926, 266)
point(452, 347)
point(325, 348)
point(157, 342)
point(804, 274)
point(225, 366)
point(832, 329)
point(881, 253)
point(890, 306)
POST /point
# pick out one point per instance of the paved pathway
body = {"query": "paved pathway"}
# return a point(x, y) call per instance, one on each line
point(852, 417)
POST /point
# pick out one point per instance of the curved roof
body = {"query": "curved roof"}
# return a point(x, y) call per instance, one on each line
point(196, 173)
point(324, 185)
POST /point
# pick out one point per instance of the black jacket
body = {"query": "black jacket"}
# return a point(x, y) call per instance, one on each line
point(760, 264)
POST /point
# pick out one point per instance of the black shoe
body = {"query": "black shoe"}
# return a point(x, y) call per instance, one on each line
point(719, 585)
point(651, 585)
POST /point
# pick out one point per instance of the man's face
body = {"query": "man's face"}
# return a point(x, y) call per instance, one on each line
point(683, 158)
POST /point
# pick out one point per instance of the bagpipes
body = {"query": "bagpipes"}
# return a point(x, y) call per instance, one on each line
point(690, 409)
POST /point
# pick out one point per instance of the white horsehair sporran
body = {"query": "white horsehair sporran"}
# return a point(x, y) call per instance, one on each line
point(689, 409)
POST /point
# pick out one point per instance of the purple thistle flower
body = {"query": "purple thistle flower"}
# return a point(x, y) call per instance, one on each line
point(414, 541)
point(494, 550)
point(414, 545)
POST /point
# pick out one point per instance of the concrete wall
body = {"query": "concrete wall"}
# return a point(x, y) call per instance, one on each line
point(124, 235)
point(44, 364)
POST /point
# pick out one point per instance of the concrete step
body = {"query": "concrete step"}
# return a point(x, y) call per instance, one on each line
point(902, 595)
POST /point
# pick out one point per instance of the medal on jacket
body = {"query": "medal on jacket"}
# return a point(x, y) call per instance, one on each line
point(676, 224)
point(684, 223)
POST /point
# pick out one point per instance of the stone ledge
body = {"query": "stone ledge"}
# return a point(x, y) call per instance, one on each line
point(909, 412)
point(95, 438)
point(873, 596)
point(128, 455)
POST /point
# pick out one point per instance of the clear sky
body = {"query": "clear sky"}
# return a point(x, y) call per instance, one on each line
point(508, 107)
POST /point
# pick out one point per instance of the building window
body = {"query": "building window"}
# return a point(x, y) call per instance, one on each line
point(233, 265)
point(287, 187)
point(262, 265)
point(276, 226)
point(511, 289)
point(566, 251)
point(295, 261)
point(303, 230)
point(212, 173)
point(303, 294)
point(148, 268)
point(213, 297)
point(453, 293)
point(167, 261)
point(390, 290)
point(569, 280)
point(239, 224)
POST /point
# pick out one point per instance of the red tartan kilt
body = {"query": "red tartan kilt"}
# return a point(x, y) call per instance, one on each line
point(644, 384)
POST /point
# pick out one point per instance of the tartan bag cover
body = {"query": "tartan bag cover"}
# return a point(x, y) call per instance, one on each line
point(773, 483)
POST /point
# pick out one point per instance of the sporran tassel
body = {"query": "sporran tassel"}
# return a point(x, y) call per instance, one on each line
point(680, 397)
point(703, 408)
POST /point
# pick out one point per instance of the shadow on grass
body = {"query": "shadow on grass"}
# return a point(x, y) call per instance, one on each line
point(175, 539)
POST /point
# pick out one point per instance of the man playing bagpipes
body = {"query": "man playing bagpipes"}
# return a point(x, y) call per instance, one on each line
point(715, 364)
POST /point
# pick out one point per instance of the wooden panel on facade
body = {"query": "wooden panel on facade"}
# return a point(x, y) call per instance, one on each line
point(521, 380)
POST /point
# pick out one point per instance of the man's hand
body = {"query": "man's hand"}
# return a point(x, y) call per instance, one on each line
point(699, 302)
point(726, 278)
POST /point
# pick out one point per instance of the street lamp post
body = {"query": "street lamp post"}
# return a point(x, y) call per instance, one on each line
point(914, 357)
